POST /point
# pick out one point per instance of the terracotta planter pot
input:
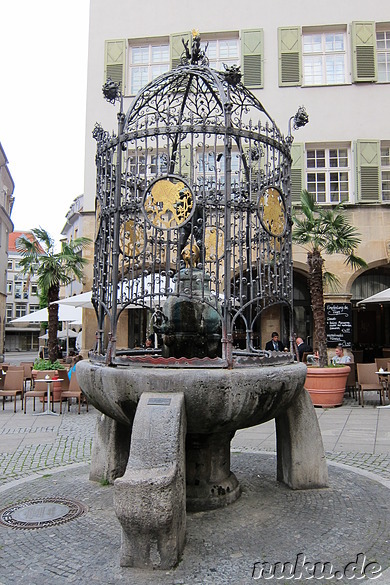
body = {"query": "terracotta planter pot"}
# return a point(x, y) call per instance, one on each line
point(326, 386)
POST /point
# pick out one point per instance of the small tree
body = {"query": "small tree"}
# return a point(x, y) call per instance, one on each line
point(53, 270)
point(323, 230)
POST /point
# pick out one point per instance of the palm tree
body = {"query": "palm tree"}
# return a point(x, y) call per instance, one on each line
point(323, 230)
point(53, 270)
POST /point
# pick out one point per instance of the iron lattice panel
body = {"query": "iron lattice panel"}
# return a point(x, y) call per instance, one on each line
point(193, 168)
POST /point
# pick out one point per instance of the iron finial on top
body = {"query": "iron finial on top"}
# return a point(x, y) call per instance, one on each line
point(196, 55)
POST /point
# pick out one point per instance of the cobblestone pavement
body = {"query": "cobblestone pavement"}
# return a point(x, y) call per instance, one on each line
point(49, 456)
point(269, 523)
point(71, 442)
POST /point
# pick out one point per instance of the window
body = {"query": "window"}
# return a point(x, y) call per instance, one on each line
point(152, 164)
point(9, 265)
point(209, 170)
point(9, 288)
point(9, 313)
point(324, 58)
point(20, 311)
point(146, 63)
point(159, 164)
point(18, 289)
point(33, 308)
point(34, 289)
point(222, 51)
point(327, 174)
point(385, 171)
point(383, 55)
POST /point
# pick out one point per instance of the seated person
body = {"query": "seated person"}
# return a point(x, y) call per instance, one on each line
point(77, 359)
point(274, 344)
point(303, 347)
point(340, 357)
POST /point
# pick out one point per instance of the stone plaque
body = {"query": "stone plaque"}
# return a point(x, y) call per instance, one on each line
point(159, 401)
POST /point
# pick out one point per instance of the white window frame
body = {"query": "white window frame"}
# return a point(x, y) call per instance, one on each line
point(321, 55)
point(222, 49)
point(151, 68)
point(325, 165)
point(9, 313)
point(383, 54)
point(385, 171)
point(20, 310)
point(9, 287)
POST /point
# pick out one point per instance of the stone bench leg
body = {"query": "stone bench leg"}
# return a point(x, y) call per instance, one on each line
point(150, 499)
point(110, 449)
point(300, 451)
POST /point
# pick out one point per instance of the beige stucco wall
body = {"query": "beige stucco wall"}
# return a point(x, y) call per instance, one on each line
point(336, 113)
point(372, 222)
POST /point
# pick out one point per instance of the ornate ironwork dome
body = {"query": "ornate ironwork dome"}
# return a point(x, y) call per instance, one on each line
point(193, 203)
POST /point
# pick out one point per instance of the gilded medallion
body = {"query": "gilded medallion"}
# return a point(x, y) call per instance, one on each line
point(272, 211)
point(169, 203)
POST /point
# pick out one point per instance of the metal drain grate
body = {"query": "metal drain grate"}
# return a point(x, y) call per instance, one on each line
point(41, 513)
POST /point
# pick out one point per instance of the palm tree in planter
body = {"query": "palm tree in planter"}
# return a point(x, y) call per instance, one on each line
point(53, 270)
point(323, 230)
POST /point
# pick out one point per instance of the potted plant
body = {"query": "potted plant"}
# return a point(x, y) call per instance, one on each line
point(51, 368)
point(324, 230)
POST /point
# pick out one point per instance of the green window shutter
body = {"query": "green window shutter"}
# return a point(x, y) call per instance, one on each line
point(297, 171)
point(183, 159)
point(290, 56)
point(363, 51)
point(252, 57)
point(368, 156)
point(177, 48)
point(115, 61)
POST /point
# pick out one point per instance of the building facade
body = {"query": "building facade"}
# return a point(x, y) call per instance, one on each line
point(6, 203)
point(22, 299)
point(72, 230)
point(333, 58)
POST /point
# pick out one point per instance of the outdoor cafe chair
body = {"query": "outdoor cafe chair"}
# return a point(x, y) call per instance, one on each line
point(27, 367)
point(73, 392)
point(381, 363)
point(13, 385)
point(367, 381)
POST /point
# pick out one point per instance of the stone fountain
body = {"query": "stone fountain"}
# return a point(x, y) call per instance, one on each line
point(193, 214)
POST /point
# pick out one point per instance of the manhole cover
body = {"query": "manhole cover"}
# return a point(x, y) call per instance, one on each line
point(41, 513)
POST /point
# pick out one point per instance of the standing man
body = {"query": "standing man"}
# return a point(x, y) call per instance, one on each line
point(274, 344)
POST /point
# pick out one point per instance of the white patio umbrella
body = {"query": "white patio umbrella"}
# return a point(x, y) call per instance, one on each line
point(82, 300)
point(65, 313)
point(381, 297)
point(61, 335)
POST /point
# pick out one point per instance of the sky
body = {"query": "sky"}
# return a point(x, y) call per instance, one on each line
point(43, 79)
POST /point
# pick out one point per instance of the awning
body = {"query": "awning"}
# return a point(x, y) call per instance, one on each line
point(380, 297)
point(65, 313)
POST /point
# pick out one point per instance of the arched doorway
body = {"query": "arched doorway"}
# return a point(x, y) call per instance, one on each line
point(302, 315)
point(371, 323)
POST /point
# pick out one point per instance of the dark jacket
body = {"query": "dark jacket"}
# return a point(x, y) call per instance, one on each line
point(269, 346)
point(304, 348)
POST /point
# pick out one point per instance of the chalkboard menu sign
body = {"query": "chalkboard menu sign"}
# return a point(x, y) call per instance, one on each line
point(338, 324)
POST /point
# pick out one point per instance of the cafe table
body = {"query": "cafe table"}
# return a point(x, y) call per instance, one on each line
point(47, 410)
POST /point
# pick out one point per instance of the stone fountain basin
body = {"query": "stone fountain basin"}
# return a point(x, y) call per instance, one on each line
point(216, 400)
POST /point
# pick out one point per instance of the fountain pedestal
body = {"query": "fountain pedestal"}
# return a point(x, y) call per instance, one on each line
point(150, 490)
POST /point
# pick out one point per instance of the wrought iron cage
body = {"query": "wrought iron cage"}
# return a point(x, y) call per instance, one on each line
point(197, 177)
